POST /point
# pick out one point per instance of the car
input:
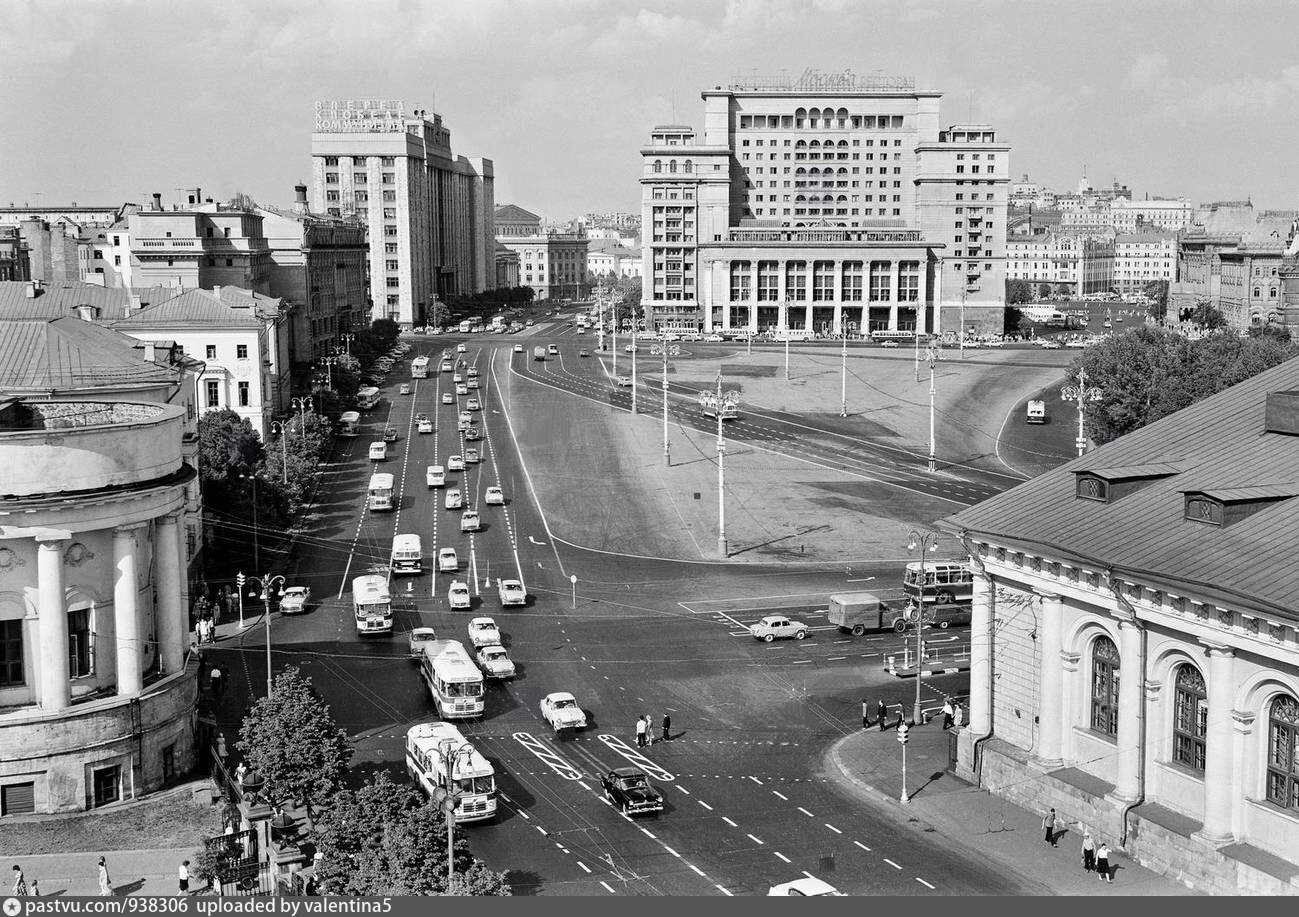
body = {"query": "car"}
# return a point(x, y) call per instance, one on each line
point(669, 336)
point(458, 595)
point(1051, 345)
point(457, 377)
point(390, 434)
point(994, 343)
point(473, 405)
point(436, 476)
point(418, 638)
point(495, 662)
point(623, 381)
point(295, 599)
point(553, 350)
point(461, 348)
point(889, 344)
point(462, 389)
point(518, 348)
point(473, 434)
point(469, 521)
point(484, 632)
point(447, 560)
point(691, 336)
point(462, 425)
point(629, 789)
point(423, 424)
point(581, 329)
point(511, 592)
point(1076, 345)
point(455, 463)
point(631, 348)
point(561, 711)
point(472, 456)
point(448, 398)
point(584, 352)
point(773, 626)
point(404, 389)
point(472, 384)
point(494, 496)
point(528, 323)
point(809, 887)
point(455, 500)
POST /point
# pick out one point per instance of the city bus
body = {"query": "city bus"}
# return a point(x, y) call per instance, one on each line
point(407, 554)
point(454, 682)
point(419, 368)
point(349, 423)
point(371, 604)
point(437, 756)
point(464, 326)
point(380, 493)
point(945, 583)
point(367, 397)
point(708, 403)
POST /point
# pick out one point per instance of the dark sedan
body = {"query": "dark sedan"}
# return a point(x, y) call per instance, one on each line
point(630, 790)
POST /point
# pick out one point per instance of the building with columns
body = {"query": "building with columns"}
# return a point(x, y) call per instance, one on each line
point(1135, 641)
point(826, 204)
point(96, 690)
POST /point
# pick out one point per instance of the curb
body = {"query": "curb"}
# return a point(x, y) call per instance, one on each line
point(900, 673)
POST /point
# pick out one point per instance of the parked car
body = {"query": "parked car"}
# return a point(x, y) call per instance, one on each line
point(629, 789)
point(584, 352)
point(495, 662)
point(295, 599)
point(561, 711)
point(553, 350)
point(494, 496)
point(484, 632)
point(714, 338)
point(773, 626)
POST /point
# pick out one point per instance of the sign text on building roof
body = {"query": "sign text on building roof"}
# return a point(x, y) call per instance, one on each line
point(360, 115)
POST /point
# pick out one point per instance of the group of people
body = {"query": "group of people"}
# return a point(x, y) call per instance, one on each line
point(24, 889)
point(953, 714)
point(1095, 857)
point(645, 729)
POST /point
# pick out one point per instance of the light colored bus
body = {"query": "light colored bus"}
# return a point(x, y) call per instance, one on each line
point(433, 749)
point(349, 423)
point(419, 368)
point(380, 494)
point(371, 604)
point(945, 583)
point(454, 682)
point(709, 404)
point(407, 554)
point(464, 326)
point(367, 397)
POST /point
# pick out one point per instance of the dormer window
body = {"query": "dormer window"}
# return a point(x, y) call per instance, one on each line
point(1107, 485)
point(1091, 487)
point(1229, 505)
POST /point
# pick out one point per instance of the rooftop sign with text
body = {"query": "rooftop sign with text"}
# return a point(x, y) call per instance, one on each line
point(360, 115)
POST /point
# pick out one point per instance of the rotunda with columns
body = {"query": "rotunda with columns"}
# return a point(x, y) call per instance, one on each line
point(97, 693)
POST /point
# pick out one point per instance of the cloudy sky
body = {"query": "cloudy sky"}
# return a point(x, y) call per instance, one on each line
point(108, 100)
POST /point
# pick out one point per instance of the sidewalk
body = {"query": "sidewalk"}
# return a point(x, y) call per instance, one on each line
point(134, 872)
point(869, 764)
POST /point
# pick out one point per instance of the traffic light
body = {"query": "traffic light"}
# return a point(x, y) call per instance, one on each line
point(902, 733)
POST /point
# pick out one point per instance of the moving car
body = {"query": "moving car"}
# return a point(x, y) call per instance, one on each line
point(808, 887)
point(454, 499)
point(390, 434)
point(561, 711)
point(889, 344)
point(378, 451)
point(495, 662)
point(448, 398)
point(511, 592)
point(461, 348)
point(553, 349)
point(457, 377)
point(472, 384)
point(484, 632)
point(447, 561)
point(473, 434)
point(1051, 345)
point(583, 352)
point(423, 424)
point(472, 456)
point(295, 599)
point(418, 638)
point(405, 389)
point(714, 338)
point(473, 405)
point(623, 381)
point(458, 595)
point(462, 389)
point(631, 348)
point(455, 463)
point(629, 789)
point(494, 496)
point(773, 626)
point(469, 521)
point(518, 348)
point(436, 476)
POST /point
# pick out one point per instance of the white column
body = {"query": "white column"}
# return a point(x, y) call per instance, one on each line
point(1050, 682)
point(169, 609)
point(1220, 785)
point(893, 295)
point(1131, 739)
point(753, 292)
point(923, 320)
point(981, 657)
point(126, 614)
point(56, 686)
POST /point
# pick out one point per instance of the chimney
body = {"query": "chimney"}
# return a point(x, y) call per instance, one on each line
point(33, 289)
point(198, 193)
point(216, 290)
point(86, 312)
point(157, 201)
point(149, 354)
point(135, 305)
point(191, 200)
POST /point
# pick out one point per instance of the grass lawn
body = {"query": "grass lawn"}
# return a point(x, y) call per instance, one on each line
point(173, 820)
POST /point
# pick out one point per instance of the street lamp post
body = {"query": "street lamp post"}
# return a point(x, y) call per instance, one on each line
point(665, 350)
point(724, 401)
point(257, 562)
point(925, 541)
point(1080, 393)
point(572, 580)
point(347, 340)
point(266, 584)
point(446, 800)
point(302, 405)
point(933, 355)
point(278, 428)
point(634, 350)
point(328, 363)
point(843, 385)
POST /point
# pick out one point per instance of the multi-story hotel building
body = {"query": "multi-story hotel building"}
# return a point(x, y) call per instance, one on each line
point(203, 246)
point(429, 212)
point(830, 203)
point(1142, 257)
point(1075, 263)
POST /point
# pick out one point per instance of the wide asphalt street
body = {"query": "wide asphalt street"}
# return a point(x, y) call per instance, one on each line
point(749, 803)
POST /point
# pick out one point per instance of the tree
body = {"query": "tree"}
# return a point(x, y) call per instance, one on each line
point(229, 450)
point(292, 741)
point(227, 445)
point(242, 201)
point(1157, 292)
point(382, 839)
point(1018, 291)
point(1044, 291)
point(306, 442)
point(438, 314)
point(1206, 316)
point(1269, 330)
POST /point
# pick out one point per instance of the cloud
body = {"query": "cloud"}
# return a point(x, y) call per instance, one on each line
point(1147, 71)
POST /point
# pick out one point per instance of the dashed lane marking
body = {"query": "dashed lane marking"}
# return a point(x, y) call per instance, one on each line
point(862, 846)
point(756, 840)
point(805, 812)
point(780, 794)
point(833, 828)
point(607, 888)
point(704, 804)
point(724, 891)
point(754, 779)
point(891, 863)
point(729, 822)
point(585, 868)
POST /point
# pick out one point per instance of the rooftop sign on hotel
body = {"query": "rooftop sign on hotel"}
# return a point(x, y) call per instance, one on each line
point(360, 115)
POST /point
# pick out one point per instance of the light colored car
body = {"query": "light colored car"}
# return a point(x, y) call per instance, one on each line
point(405, 389)
point(423, 424)
point(455, 500)
point(390, 435)
point(448, 398)
point(436, 476)
point(773, 626)
point(494, 496)
point(889, 344)
point(455, 463)
point(458, 595)
point(473, 405)
point(584, 352)
point(495, 662)
point(714, 338)
point(472, 456)
point(473, 434)
point(466, 418)
point(462, 389)
point(461, 348)
point(472, 385)
point(692, 336)
point(623, 381)
point(457, 377)
point(511, 592)
point(631, 348)
point(484, 632)
point(447, 561)
point(561, 711)
point(528, 323)
point(469, 521)
point(553, 350)
point(518, 348)
point(1051, 345)
point(295, 599)
point(805, 888)
point(418, 638)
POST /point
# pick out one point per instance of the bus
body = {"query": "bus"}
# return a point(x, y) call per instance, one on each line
point(434, 748)
point(371, 604)
point(464, 327)
point(945, 583)
point(407, 554)
point(419, 368)
point(367, 397)
point(883, 334)
point(454, 682)
point(1036, 412)
point(538, 353)
point(708, 403)
point(349, 423)
point(380, 494)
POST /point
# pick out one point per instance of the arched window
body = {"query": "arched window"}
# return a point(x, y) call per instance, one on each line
point(1283, 753)
point(658, 165)
point(844, 144)
point(688, 165)
point(672, 165)
point(815, 115)
point(815, 144)
point(1190, 717)
point(800, 145)
point(1105, 686)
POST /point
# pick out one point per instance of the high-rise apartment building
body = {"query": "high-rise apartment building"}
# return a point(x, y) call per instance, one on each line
point(429, 212)
point(834, 202)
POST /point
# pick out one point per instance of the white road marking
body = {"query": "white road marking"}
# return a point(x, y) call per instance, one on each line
point(646, 832)
point(833, 828)
point(729, 822)
point(924, 883)
point(671, 851)
point(617, 745)
point(781, 855)
point(607, 888)
point(548, 756)
point(755, 780)
point(585, 867)
point(705, 805)
point(682, 789)
point(862, 846)
point(696, 869)
point(756, 840)
point(723, 891)
point(805, 812)
point(780, 794)
point(891, 863)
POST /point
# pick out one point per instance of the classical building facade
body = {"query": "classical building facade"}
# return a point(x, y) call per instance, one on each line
point(830, 203)
point(96, 691)
point(1142, 257)
point(428, 211)
point(203, 246)
point(1135, 643)
point(1075, 263)
point(552, 262)
point(15, 263)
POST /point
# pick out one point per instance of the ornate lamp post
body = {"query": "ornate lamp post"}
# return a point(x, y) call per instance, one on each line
point(848, 328)
point(328, 363)
point(347, 340)
point(302, 405)
point(665, 350)
point(933, 355)
point(264, 586)
point(925, 541)
point(445, 799)
point(1079, 392)
point(280, 430)
point(724, 402)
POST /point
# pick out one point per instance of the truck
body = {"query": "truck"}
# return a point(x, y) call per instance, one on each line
point(858, 612)
point(539, 353)
point(1036, 412)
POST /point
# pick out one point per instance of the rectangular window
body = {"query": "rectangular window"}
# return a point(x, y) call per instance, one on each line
point(741, 289)
point(358, 178)
point(79, 656)
point(822, 281)
point(169, 761)
point(880, 281)
point(390, 248)
point(241, 351)
point(107, 783)
point(388, 178)
point(331, 160)
point(909, 281)
point(768, 281)
point(243, 394)
point(852, 281)
point(390, 230)
point(18, 799)
point(390, 197)
point(331, 178)
point(11, 653)
point(796, 281)
point(211, 351)
point(213, 393)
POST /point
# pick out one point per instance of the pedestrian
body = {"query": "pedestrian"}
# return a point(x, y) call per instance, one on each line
point(215, 677)
point(221, 745)
point(1103, 861)
point(901, 708)
point(667, 726)
point(20, 884)
point(881, 712)
point(865, 714)
point(958, 715)
point(240, 772)
point(182, 876)
point(105, 883)
point(649, 729)
point(640, 732)
point(1088, 852)
point(35, 889)
point(1048, 827)
point(211, 628)
point(948, 713)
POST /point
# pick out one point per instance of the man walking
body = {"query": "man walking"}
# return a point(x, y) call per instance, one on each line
point(105, 883)
point(948, 713)
point(640, 732)
point(1088, 852)
point(1048, 828)
point(667, 726)
point(182, 875)
point(881, 712)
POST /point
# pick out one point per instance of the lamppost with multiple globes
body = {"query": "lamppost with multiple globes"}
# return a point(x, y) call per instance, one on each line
point(1080, 393)
point(280, 430)
point(265, 586)
point(302, 406)
point(932, 355)
point(347, 340)
point(847, 329)
point(723, 403)
point(665, 350)
point(926, 541)
point(328, 363)
point(447, 797)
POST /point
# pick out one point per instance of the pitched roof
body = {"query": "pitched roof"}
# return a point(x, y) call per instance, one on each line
point(228, 306)
point(1222, 449)
point(513, 213)
point(63, 354)
point(60, 298)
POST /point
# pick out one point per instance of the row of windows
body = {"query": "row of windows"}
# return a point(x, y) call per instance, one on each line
point(818, 118)
point(213, 387)
point(359, 178)
point(850, 276)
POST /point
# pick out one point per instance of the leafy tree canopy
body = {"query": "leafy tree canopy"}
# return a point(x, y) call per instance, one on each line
point(227, 445)
point(1018, 291)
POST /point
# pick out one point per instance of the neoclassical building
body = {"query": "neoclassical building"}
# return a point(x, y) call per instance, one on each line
point(1135, 643)
point(96, 692)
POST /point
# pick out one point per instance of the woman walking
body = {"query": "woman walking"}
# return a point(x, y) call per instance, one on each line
point(105, 883)
point(1103, 862)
